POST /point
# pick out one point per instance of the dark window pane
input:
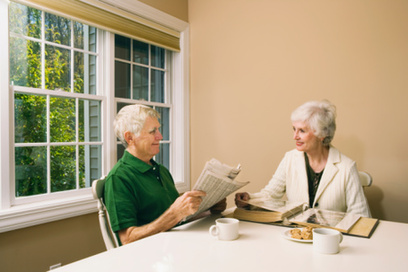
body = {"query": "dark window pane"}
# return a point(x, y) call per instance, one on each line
point(30, 118)
point(157, 86)
point(140, 83)
point(121, 150)
point(62, 119)
point(63, 168)
point(140, 52)
point(120, 106)
point(31, 170)
point(164, 155)
point(122, 47)
point(57, 29)
point(158, 56)
point(164, 122)
point(122, 79)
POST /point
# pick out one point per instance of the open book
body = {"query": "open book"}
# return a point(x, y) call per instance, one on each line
point(218, 181)
point(286, 213)
point(269, 210)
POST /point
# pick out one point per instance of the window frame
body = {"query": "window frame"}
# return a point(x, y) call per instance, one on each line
point(19, 216)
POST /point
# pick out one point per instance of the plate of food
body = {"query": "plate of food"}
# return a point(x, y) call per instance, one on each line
point(303, 235)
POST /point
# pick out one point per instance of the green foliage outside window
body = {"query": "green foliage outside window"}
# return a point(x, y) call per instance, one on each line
point(30, 110)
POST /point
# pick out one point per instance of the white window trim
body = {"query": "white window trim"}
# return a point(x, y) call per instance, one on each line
point(16, 217)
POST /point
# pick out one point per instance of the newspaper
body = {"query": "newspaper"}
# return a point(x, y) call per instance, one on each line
point(218, 181)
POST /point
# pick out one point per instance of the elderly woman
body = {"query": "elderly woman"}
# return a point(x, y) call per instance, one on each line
point(315, 172)
point(140, 194)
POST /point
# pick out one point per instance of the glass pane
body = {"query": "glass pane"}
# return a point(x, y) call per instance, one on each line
point(164, 155)
point(91, 74)
point(57, 29)
point(122, 79)
point(57, 68)
point(62, 119)
point(30, 118)
point(79, 35)
point(25, 20)
point(84, 37)
point(63, 168)
point(31, 170)
point(140, 83)
point(84, 73)
point(90, 165)
point(157, 86)
point(158, 56)
point(120, 106)
point(140, 52)
point(89, 121)
point(78, 72)
point(164, 122)
point(122, 47)
point(25, 63)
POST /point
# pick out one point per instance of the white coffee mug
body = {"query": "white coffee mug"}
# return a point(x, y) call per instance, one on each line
point(225, 229)
point(326, 241)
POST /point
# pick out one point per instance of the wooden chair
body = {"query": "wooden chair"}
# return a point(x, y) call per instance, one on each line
point(365, 179)
point(108, 235)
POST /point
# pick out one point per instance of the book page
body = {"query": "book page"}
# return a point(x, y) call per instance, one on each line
point(276, 205)
point(217, 180)
point(325, 218)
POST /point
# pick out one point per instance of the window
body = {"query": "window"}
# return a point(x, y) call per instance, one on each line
point(141, 77)
point(57, 116)
point(64, 94)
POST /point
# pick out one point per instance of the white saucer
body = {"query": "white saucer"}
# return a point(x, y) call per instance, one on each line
point(287, 235)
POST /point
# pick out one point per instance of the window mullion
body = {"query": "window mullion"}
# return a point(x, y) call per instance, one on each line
point(76, 143)
point(48, 146)
point(42, 50)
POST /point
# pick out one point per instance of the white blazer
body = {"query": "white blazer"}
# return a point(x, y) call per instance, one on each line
point(339, 189)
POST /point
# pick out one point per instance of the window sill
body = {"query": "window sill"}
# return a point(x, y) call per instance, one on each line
point(23, 216)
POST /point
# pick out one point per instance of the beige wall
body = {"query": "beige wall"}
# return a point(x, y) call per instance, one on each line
point(37, 248)
point(253, 62)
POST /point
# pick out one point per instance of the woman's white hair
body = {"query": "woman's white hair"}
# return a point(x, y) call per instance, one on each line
point(132, 118)
point(320, 116)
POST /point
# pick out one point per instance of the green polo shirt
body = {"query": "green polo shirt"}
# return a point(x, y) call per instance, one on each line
point(137, 193)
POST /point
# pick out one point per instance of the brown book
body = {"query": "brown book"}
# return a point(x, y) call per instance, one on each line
point(269, 210)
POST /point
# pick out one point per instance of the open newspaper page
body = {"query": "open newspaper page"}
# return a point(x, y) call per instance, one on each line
point(218, 181)
point(323, 218)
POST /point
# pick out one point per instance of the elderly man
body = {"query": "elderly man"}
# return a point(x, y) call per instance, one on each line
point(140, 194)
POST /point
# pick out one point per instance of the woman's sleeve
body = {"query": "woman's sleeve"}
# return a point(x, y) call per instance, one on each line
point(355, 198)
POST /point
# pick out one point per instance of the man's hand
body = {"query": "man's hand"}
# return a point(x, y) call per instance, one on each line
point(188, 203)
point(219, 207)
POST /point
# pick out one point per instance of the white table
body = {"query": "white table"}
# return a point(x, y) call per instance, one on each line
point(260, 247)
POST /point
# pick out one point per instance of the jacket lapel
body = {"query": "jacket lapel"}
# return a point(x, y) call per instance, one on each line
point(303, 188)
point(329, 172)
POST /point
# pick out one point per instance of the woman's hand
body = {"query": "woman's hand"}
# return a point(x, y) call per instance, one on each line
point(239, 198)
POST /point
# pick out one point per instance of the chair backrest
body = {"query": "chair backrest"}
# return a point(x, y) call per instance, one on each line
point(108, 235)
point(365, 179)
